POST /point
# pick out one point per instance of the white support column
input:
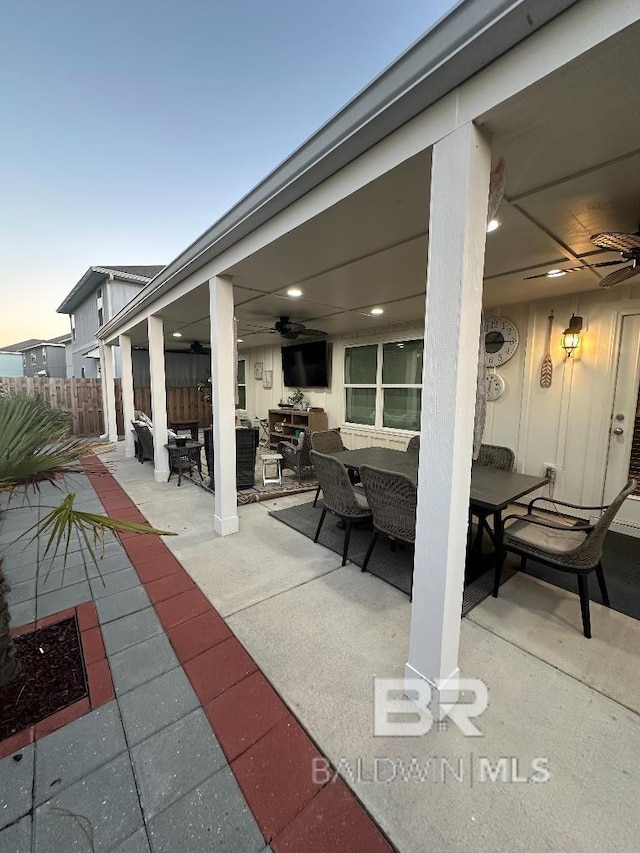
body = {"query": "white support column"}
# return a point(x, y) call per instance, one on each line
point(108, 392)
point(457, 231)
point(158, 398)
point(223, 354)
point(127, 394)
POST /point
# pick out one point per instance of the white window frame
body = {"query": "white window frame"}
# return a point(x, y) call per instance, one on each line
point(243, 384)
point(44, 355)
point(379, 386)
point(34, 358)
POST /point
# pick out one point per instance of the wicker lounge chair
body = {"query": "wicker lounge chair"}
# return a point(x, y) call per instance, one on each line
point(296, 457)
point(144, 442)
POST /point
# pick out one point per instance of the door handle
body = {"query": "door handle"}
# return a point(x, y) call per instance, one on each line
point(618, 431)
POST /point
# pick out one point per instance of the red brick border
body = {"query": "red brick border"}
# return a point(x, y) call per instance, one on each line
point(268, 750)
point(99, 683)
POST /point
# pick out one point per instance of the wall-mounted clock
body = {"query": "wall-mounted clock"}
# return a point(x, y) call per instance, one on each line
point(495, 386)
point(501, 340)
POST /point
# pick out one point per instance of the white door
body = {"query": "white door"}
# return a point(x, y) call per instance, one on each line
point(624, 436)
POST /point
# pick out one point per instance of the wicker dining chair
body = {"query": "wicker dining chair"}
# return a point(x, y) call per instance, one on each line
point(414, 445)
point(144, 450)
point(490, 456)
point(392, 498)
point(296, 456)
point(339, 496)
point(564, 543)
point(326, 441)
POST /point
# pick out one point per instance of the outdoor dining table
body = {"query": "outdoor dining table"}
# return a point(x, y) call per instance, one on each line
point(492, 489)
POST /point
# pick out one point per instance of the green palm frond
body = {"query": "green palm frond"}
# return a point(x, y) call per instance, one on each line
point(59, 526)
point(34, 445)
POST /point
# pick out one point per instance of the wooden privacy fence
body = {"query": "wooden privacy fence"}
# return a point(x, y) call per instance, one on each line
point(82, 398)
point(183, 404)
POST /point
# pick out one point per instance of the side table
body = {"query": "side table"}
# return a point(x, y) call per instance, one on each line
point(271, 460)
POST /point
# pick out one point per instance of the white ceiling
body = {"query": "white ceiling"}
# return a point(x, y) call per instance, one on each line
point(572, 147)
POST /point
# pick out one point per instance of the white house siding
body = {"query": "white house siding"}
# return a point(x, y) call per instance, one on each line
point(567, 424)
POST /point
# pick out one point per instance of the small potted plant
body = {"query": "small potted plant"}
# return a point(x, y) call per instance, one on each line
point(296, 399)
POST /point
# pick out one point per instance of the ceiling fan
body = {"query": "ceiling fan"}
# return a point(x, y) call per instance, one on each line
point(197, 349)
point(289, 330)
point(614, 241)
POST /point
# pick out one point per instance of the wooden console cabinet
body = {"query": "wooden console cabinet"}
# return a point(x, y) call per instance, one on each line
point(293, 421)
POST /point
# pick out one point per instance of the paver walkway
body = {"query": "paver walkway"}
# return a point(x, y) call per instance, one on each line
point(187, 746)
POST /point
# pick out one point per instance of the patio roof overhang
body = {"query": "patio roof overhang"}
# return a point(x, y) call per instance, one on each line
point(468, 39)
point(369, 247)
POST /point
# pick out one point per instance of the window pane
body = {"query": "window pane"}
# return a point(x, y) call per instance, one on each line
point(361, 405)
point(242, 397)
point(402, 363)
point(241, 380)
point(402, 408)
point(360, 366)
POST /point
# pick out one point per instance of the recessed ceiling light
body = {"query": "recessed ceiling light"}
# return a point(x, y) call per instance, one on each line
point(555, 273)
point(493, 225)
point(377, 311)
point(177, 334)
point(295, 292)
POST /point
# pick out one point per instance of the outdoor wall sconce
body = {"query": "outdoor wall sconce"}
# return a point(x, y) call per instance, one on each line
point(571, 335)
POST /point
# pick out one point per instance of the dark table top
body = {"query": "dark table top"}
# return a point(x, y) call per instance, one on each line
point(491, 488)
point(189, 443)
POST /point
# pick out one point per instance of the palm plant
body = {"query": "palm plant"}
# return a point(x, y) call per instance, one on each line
point(34, 448)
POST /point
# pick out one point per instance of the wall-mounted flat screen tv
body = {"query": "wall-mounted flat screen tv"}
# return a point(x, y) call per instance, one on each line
point(306, 365)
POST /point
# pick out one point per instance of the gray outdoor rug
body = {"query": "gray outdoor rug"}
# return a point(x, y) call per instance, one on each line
point(621, 562)
point(394, 567)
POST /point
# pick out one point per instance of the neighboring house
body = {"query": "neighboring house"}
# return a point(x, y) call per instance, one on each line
point(94, 300)
point(46, 358)
point(36, 357)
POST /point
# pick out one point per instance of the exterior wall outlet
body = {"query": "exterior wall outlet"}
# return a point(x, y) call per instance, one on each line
point(550, 471)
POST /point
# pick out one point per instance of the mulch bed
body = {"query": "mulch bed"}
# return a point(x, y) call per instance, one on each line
point(52, 676)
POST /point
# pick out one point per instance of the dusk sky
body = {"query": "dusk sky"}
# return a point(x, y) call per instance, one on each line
point(128, 127)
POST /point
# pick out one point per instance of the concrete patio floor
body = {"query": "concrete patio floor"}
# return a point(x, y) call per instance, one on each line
point(181, 743)
point(320, 633)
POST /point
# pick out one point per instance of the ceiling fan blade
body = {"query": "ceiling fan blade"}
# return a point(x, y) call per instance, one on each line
point(616, 241)
point(618, 276)
point(577, 269)
point(314, 332)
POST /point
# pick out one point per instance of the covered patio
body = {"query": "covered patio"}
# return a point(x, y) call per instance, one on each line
point(395, 184)
point(321, 633)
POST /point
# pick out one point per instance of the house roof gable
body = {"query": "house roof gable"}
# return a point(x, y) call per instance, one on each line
point(96, 275)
